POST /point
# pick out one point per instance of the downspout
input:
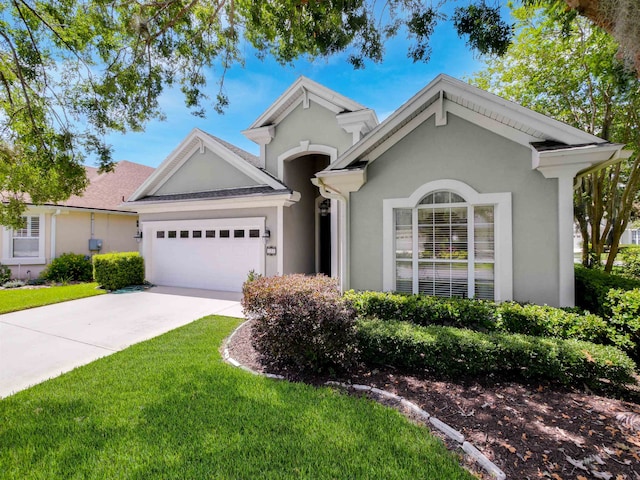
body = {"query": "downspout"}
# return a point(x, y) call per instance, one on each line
point(344, 246)
point(52, 254)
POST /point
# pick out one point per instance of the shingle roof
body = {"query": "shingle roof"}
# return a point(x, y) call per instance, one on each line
point(108, 191)
point(225, 193)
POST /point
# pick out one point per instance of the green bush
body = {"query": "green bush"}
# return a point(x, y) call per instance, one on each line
point(302, 325)
point(425, 310)
point(5, 274)
point(118, 270)
point(625, 317)
point(630, 256)
point(486, 316)
point(69, 267)
point(592, 287)
point(545, 321)
point(451, 352)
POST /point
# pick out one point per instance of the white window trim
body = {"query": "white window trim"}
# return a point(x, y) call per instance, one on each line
point(7, 245)
point(503, 288)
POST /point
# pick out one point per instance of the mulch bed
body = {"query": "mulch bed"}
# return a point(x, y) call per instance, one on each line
point(528, 431)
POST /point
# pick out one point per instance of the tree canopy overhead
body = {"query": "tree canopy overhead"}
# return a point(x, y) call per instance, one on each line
point(73, 70)
point(571, 73)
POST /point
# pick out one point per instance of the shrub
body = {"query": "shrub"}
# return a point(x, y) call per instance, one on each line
point(451, 352)
point(69, 267)
point(592, 287)
point(302, 325)
point(13, 284)
point(486, 316)
point(118, 270)
point(5, 274)
point(545, 321)
point(424, 310)
point(630, 256)
point(625, 317)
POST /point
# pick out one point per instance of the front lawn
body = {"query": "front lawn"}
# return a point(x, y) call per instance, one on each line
point(171, 408)
point(12, 300)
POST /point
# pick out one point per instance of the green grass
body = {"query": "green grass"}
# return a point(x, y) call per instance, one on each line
point(171, 408)
point(12, 300)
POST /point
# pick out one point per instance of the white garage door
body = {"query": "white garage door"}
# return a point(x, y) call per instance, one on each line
point(208, 254)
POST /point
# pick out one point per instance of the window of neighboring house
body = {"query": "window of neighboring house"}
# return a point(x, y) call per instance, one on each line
point(26, 244)
point(26, 241)
point(445, 245)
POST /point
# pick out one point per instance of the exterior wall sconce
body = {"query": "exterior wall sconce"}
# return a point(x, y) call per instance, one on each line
point(138, 236)
point(324, 208)
point(266, 235)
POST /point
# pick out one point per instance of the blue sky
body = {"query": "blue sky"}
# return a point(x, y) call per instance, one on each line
point(252, 88)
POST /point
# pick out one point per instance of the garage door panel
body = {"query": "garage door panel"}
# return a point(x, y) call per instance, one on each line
point(209, 263)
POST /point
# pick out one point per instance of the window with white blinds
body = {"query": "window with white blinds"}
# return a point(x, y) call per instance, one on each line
point(445, 247)
point(26, 240)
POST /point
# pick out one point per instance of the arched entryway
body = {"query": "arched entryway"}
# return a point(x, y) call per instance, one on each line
point(307, 224)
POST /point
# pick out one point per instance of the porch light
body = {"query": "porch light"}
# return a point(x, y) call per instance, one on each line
point(138, 236)
point(266, 235)
point(323, 208)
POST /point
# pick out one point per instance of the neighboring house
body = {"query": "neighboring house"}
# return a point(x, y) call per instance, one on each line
point(457, 193)
point(51, 230)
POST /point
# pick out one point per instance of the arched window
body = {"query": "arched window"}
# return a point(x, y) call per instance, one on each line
point(443, 243)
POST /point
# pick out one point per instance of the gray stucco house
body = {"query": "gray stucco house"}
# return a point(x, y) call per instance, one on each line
point(457, 193)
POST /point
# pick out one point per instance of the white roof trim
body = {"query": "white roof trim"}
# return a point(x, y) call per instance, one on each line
point(193, 142)
point(230, 203)
point(303, 90)
point(476, 99)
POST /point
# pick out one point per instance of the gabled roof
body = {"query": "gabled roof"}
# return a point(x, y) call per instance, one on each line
point(446, 94)
point(197, 139)
point(302, 90)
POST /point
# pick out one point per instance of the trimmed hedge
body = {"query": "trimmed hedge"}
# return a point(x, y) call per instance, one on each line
point(452, 352)
point(118, 270)
point(592, 287)
point(69, 267)
point(486, 316)
point(302, 324)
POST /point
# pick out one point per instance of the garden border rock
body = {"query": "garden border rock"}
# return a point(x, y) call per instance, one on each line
point(378, 394)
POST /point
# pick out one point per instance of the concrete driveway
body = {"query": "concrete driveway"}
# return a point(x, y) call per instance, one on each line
point(44, 342)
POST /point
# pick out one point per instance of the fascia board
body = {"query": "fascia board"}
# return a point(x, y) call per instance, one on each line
point(161, 172)
point(296, 89)
point(241, 164)
point(575, 160)
point(171, 164)
point(550, 127)
point(218, 204)
point(554, 129)
point(388, 124)
point(343, 182)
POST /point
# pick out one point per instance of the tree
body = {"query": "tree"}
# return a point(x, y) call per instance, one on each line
point(619, 18)
point(570, 72)
point(73, 70)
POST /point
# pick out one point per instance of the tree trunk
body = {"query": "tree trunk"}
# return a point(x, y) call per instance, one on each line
point(594, 11)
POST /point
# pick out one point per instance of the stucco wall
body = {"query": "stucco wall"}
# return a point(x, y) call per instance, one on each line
point(73, 231)
point(204, 172)
point(315, 124)
point(488, 163)
point(270, 214)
